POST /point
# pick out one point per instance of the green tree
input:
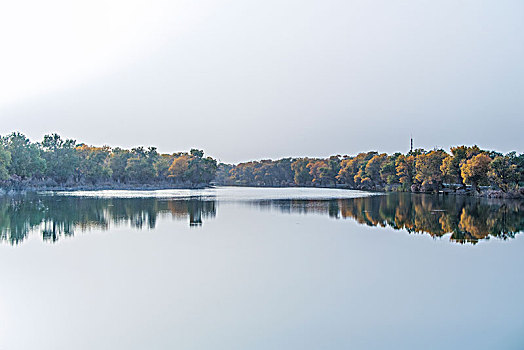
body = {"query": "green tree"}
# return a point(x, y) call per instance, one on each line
point(329, 172)
point(222, 175)
point(324, 171)
point(197, 153)
point(518, 162)
point(5, 161)
point(301, 174)
point(373, 167)
point(503, 172)
point(61, 157)
point(140, 166)
point(388, 170)
point(94, 163)
point(450, 169)
point(243, 173)
point(193, 168)
point(118, 163)
point(162, 165)
point(405, 167)
point(26, 161)
point(427, 169)
point(201, 170)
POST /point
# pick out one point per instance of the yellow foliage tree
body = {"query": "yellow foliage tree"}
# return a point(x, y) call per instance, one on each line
point(179, 167)
point(475, 170)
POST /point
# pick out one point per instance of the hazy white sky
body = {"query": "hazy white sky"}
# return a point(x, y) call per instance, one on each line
point(265, 79)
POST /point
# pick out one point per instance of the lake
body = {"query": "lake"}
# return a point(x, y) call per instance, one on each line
point(260, 268)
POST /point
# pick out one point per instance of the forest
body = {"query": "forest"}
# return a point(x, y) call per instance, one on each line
point(64, 162)
point(465, 169)
point(56, 162)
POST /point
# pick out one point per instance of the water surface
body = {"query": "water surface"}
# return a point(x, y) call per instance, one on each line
point(242, 268)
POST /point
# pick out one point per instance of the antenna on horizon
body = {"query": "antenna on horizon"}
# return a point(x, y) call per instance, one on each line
point(411, 150)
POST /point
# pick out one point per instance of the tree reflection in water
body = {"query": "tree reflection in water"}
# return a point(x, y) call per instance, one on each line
point(467, 219)
point(56, 216)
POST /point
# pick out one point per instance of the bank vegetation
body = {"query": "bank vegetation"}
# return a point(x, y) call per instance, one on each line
point(464, 170)
point(57, 163)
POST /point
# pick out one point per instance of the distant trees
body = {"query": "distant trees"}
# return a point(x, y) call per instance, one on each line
point(301, 175)
point(118, 164)
point(200, 169)
point(26, 160)
point(61, 158)
point(58, 161)
point(62, 161)
point(140, 166)
point(418, 170)
point(179, 167)
point(324, 171)
point(5, 162)
point(451, 165)
point(427, 169)
point(504, 171)
point(475, 170)
point(93, 163)
point(264, 173)
point(162, 165)
point(352, 169)
point(405, 166)
point(388, 170)
point(222, 175)
point(287, 172)
point(192, 167)
point(317, 169)
point(369, 176)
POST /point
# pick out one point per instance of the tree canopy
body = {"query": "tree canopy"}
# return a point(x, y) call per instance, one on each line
point(418, 170)
point(58, 161)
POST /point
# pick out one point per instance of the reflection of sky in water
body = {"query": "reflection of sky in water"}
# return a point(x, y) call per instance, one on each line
point(461, 219)
point(258, 279)
point(225, 193)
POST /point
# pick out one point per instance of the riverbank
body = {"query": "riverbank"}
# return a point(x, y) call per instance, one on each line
point(488, 193)
point(40, 187)
point(21, 189)
point(485, 191)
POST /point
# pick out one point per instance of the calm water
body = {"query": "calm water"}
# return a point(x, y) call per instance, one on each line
point(244, 268)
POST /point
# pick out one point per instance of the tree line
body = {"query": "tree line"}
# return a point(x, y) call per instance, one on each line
point(464, 167)
point(56, 161)
point(63, 162)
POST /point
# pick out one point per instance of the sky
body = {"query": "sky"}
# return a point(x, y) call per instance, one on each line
point(247, 80)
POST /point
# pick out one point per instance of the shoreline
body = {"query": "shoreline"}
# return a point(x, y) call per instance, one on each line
point(484, 193)
point(101, 187)
point(16, 190)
